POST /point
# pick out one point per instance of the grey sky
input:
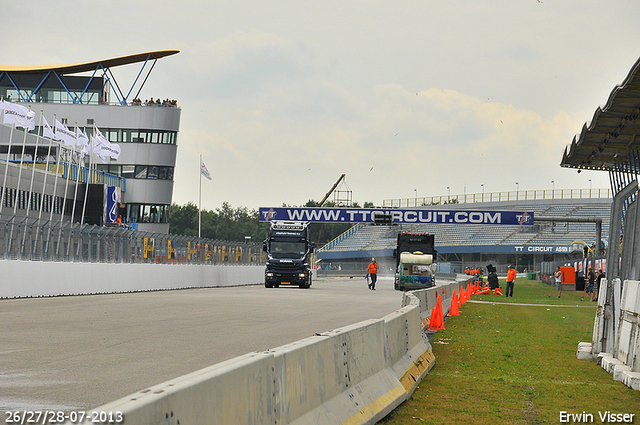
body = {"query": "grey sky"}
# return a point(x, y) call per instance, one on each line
point(282, 97)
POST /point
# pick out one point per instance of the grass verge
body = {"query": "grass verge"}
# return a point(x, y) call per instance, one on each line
point(510, 362)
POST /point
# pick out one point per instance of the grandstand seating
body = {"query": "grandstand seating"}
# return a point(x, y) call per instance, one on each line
point(542, 233)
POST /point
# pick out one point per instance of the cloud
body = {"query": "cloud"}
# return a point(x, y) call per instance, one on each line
point(436, 137)
point(243, 63)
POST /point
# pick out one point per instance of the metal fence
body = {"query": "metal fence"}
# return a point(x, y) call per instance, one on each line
point(30, 240)
point(517, 195)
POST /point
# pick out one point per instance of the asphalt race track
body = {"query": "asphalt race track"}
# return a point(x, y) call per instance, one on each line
point(68, 353)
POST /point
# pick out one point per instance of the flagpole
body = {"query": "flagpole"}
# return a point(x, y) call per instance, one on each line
point(55, 188)
point(200, 198)
point(44, 183)
point(44, 186)
point(75, 193)
point(6, 168)
point(90, 178)
point(15, 198)
point(66, 168)
point(24, 142)
point(33, 172)
point(55, 182)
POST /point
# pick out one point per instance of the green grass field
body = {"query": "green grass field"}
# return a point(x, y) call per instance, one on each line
point(506, 362)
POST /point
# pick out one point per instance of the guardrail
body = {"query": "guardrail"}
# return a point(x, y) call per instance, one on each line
point(517, 195)
point(356, 374)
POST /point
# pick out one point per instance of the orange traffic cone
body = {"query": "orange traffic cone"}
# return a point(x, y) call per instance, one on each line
point(462, 297)
point(454, 310)
point(437, 318)
point(497, 291)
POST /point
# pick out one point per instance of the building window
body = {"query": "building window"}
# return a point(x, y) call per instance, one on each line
point(138, 171)
point(141, 172)
point(148, 213)
point(128, 171)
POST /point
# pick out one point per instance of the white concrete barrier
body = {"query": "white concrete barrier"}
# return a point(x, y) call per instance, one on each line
point(335, 377)
point(238, 391)
point(22, 279)
point(617, 330)
point(352, 375)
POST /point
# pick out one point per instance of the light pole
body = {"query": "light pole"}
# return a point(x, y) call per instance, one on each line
point(416, 191)
point(482, 185)
point(553, 188)
point(589, 188)
point(448, 193)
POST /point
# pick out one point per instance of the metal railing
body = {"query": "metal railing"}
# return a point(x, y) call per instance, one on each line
point(518, 195)
point(26, 239)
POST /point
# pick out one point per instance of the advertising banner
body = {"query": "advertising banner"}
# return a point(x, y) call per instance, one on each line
point(396, 216)
point(114, 196)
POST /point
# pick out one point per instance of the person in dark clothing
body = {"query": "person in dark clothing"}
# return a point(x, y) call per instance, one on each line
point(493, 281)
point(596, 289)
point(591, 281)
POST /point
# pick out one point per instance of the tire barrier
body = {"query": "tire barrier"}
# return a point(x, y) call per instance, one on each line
point(616, 332)
point(352, 375)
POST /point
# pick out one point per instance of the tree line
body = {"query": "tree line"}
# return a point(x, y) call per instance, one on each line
point(234, 224)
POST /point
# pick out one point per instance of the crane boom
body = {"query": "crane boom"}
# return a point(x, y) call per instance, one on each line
point(331, 190)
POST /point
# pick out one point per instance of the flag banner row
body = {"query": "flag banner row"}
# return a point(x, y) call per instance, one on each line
point(395, 216)
point(77, 141)
point(19, 115)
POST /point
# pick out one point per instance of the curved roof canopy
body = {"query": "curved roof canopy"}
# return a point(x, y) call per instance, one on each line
point(76, 68)
point(612, 140)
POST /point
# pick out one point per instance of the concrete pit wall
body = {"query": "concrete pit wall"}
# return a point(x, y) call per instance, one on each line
point(53, 279)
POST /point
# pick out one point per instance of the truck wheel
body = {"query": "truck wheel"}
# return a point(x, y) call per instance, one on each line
point(267, 285)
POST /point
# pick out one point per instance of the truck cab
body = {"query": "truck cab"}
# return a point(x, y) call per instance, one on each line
point(289, 255)
point(415, 256)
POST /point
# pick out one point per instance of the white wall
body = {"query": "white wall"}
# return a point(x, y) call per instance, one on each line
point(41, 279)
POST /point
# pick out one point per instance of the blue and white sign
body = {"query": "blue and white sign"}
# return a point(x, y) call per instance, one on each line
point(398, 216)
point(113, 199)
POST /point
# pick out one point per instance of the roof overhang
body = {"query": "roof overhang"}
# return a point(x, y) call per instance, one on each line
point(614, 133)
point(76, 68)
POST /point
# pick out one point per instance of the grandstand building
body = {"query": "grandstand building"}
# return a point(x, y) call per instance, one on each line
point(41, 177)
point(461, 245)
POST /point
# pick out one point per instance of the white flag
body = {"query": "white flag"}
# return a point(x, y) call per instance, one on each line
point(105, 147)
point(204, 171)
point(19, 115)
point(97, 148)
point(112, 150)
point(82, 142)
point(67, 136)
point(47, 131)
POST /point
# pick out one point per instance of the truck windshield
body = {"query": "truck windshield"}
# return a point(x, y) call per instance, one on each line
point(288, 249)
